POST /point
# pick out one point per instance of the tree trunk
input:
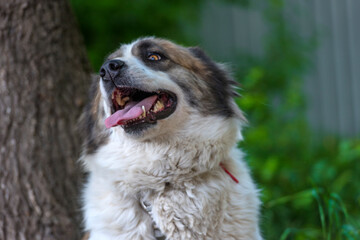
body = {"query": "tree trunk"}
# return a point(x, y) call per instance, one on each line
point(44, 74)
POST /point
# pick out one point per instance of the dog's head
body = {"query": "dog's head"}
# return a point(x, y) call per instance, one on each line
point(154, 88)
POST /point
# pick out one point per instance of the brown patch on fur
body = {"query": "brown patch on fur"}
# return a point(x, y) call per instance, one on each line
point(175, 54)
point(86, 236)
point(96, 102)
point(182, 56)
point(92, 130)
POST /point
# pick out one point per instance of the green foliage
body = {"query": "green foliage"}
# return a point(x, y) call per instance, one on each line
point(302, 177)
point(105, 24)
point(309, 184)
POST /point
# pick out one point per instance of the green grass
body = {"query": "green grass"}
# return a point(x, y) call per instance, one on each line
point(335, 222)
point(321, 204)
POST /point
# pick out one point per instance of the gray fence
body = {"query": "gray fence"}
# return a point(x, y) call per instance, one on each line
point(332, 87)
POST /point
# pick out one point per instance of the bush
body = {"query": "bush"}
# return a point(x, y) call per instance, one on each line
point(105, 24)
point(308, 183)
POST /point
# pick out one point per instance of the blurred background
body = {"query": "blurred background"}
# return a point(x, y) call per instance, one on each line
point(298, 65)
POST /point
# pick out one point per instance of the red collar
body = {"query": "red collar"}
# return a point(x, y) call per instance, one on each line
point(229, 173)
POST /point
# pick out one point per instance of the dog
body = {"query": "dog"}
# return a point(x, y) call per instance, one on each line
point(161, 129)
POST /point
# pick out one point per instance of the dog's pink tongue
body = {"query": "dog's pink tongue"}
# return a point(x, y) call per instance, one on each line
point(132, 110)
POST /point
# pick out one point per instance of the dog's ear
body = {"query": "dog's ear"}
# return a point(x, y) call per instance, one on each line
point(92, 129)
point(220, 82)
point(220, 72)
point(200, 54)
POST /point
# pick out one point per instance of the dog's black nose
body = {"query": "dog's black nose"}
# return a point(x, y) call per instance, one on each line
point(111, 68)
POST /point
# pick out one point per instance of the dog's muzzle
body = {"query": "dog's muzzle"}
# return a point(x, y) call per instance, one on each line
point(132, 105)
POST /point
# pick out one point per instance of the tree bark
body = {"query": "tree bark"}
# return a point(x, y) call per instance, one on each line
point(44, 76)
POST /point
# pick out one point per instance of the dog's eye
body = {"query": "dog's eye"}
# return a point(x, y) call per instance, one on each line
point(154, 57)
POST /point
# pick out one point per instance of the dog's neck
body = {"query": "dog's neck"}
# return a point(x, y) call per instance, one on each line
point(144, 164)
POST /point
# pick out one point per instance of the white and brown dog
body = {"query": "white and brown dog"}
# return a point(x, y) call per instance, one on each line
point(160, 149)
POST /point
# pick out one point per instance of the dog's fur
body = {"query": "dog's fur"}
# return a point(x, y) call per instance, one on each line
point(173, 164)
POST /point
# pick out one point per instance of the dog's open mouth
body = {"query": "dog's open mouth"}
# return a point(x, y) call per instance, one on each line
point(132, 106)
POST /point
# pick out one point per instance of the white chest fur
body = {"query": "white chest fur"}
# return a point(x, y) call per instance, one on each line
point(191, 196)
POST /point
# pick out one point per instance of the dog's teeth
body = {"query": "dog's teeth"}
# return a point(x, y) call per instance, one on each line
point(118, 99)
point(144, 111)
point(158, 106)
point(124, 100)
